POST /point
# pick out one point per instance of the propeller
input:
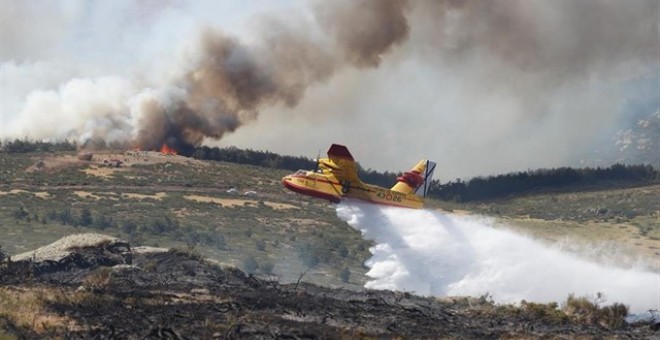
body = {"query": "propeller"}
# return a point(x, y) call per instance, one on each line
point(316, 165)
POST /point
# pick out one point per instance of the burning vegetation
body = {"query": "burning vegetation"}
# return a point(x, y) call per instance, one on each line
point(166, 150)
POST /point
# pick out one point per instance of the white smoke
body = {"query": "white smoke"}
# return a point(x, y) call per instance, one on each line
point(497, 86)
point(432, 253)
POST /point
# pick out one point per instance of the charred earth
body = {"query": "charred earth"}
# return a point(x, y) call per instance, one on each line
point(97, 286)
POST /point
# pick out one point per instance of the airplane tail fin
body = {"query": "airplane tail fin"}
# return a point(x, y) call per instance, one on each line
point(417, 180)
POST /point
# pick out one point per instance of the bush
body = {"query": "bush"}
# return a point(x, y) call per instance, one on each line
point(52, 215)
point(85, 218)
point(260, 245)
point(102, 222)
point(587, 309)
point(343, 251)
point(161, 226)
point(250, 265)
point(220, 242)
point(65, 216)
point(614, 316)
point(129, 227)
point(344, 275)
point(547, 312)
point(267, 267)
point(309, 255)
point(20, 213)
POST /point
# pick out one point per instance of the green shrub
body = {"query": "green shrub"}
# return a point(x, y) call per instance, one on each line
point(65, 217)
point(309, 255)
point(345, 275)
point(103, 222)
point(85, 217)
point(129, 227)
point(20, 213)
point(250, 265)
point(267, 267)
point(220, 242)
point(260, 245)
point(343, 251)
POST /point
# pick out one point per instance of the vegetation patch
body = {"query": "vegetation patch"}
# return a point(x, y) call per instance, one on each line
point(157, 196)
point(226, 202)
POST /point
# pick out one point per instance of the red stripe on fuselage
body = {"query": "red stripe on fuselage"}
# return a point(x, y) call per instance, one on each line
point(336, 199)
point(311, 192)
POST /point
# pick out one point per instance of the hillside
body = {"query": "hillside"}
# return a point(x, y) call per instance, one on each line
point(96, 286)
point(624, 222)
point(168, 201)
point(173, 201)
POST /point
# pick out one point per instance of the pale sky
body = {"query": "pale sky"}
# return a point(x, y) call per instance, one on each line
point(481, 89)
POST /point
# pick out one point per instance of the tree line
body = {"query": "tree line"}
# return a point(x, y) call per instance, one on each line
point(475, 189)
point(499, 186)
point(27, 145)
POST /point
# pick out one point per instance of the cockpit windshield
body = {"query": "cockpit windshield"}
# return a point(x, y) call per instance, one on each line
point(301, 172)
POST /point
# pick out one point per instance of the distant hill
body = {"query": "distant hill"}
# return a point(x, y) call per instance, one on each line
point(637, 143)
point(618, 175)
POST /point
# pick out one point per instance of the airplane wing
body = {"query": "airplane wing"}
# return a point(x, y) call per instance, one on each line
point(341, 164)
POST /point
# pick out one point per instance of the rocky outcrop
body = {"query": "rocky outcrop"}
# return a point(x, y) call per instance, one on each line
point(68, 258)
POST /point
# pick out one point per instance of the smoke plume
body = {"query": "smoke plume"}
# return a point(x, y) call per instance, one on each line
point(229, 82)
point(477, 78)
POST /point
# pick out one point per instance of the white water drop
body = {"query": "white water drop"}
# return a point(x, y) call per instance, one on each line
point(433, 253)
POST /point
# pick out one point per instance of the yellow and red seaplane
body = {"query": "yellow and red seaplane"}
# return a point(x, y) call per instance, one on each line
point(336, 177)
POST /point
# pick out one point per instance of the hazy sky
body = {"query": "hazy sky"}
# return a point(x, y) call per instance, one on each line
point(480, 87)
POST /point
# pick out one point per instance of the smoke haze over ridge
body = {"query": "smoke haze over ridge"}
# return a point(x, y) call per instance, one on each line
point(481, 87)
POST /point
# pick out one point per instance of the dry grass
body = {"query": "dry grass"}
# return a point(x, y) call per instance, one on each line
point(586, 309)
point(233, 202)
point(225, 202)
point(86, 195)
point(608, 238)
point(157, 196)
point(26, 307)
point(103, 172)
point(39, 194)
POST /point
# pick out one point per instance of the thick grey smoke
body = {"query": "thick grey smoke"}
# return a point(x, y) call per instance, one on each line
point(490, 86)
point(480, 86)
point(229, 82)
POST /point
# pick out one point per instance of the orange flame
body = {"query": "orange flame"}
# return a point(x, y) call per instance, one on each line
point(166, 150)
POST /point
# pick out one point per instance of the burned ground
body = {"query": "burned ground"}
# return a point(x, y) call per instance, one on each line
point(108, 291)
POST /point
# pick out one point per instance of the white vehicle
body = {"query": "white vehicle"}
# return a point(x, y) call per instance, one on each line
point(232, 191)
point(250, 193)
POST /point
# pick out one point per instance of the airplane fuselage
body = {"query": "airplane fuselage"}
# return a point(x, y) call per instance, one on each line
point(317, 184)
